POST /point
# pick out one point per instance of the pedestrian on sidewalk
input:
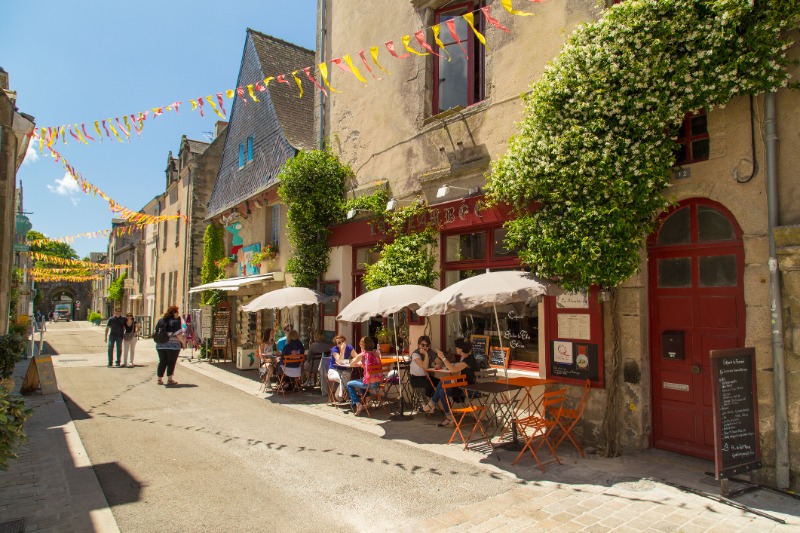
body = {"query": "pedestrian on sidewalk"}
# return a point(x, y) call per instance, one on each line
point(115, 329)
point(129, 339)
point(169, 351)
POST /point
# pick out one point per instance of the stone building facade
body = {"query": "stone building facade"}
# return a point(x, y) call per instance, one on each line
point(400, 131)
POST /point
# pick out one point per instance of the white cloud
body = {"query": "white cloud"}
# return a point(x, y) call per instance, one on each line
point(31, 154)
point(66, 186)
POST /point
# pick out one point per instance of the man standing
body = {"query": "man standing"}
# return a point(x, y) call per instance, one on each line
point(116, 325)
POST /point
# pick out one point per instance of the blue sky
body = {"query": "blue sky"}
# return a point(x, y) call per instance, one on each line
point(81, 61)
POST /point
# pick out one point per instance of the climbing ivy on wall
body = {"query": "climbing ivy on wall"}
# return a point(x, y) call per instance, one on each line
point(595, 148)
point(116, 290)
point(213, 251)
point(312, 186)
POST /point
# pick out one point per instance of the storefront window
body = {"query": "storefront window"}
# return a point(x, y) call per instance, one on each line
point(499, 246)
point(366, 256)
point(518, 325)
point(465, 247)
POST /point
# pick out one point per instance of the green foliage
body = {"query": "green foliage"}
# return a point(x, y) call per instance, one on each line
point(11, 347)
point(59, 249)
point(116, 290)
point(375, 202)
point(408, 256)
point(93, 316)
point(267, 252)
point(595, 148)
point(213, 251)
point(18, 329)
point(311, 185)
point(13, 414)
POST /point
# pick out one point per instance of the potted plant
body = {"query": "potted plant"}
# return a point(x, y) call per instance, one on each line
point(264, 256)
point(384, 337)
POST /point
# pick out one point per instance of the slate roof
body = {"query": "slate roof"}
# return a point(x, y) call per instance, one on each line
point(197, 147)
point(280, 123)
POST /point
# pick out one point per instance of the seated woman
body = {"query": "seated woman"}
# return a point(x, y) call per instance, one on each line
point(316, 350)
point(422, 359)
point(340, 352)
point(366, 358)
point(293, 347)
point(266, 352)
point(467, 365)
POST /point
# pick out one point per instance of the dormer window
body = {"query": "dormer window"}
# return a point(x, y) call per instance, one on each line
point(246, 152)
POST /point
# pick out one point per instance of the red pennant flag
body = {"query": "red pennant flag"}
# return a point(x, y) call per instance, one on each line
point(420, 35)
point(176, 105)
point(338, 62)
point(135, 127)
point(307, 70)
point(157, 111)
point(451, 25)
point(493, 21)
point(200, 103)
point(83, 127)
point(240, 92)
point(366, 65)
point(282, 79)
point(106, 130)
point(69, 129)
point(390, 47)
point(219, 101)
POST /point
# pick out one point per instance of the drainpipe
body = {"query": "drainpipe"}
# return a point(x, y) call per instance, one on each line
point(778, 356)
point(187, 256)
point(322, 37)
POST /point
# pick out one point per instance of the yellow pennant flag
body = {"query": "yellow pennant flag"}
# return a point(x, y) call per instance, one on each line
point(194, 104)
point(78, 132)
point(470, 18)
point(214, 107)
point(349, 62)
point(267, 80)
point(510, 9)
point(229, 93)
point(114, 131)
point(296, 80)
point(374, 53)
point(436, 29)
point(253, 95)
point(323, 70)
point(63, 134)
point(97, 129)
point(407, 39)
point(41, 140)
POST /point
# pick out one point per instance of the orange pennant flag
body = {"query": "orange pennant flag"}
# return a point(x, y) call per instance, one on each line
point(406, 40)
point(493, 21)
point(470, 18)
point(390, 47)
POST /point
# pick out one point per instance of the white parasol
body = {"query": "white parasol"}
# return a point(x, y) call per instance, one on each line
point(286, 298)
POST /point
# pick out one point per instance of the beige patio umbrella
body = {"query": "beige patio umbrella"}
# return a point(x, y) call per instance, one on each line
point(386, 301)
point(286, 298)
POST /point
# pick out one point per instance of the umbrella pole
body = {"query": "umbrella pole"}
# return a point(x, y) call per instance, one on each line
point(401, 416)
point(514, 444)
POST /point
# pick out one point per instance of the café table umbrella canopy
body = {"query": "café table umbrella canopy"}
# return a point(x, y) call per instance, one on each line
point(287, 297)
point(487, 290)
point(386, 301)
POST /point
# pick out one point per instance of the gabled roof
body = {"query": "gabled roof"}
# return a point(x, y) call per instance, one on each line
point(196, 147)
point(279, 123)
point(296, 115)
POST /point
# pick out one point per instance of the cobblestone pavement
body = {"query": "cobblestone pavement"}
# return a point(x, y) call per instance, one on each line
point(53, 486)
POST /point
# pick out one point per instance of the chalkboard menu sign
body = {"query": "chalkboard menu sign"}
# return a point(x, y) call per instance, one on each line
point(222, 326)
point(498, 357)
point(574, 360)
point(733, 399)
point(480, 346)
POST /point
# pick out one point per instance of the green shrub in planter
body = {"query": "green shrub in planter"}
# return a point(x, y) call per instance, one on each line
point(13, 414)
point(95, 318)
point(11, 347)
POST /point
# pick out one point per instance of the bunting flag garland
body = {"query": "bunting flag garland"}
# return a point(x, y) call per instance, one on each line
point(119, 231)
point(139, 219)
point(135, 121)
point(41, 275)
point(63, 261)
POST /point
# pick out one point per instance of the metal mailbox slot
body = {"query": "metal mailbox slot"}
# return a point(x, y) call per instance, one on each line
point(672, 345)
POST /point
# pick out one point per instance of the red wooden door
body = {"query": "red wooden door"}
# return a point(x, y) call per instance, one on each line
point(696, 266)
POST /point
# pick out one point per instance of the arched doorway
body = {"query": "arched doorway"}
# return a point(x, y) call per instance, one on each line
point(62, 302)
point(696, 272)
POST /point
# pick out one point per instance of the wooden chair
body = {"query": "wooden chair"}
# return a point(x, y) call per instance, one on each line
point(569, 419)
point(293, 384)
point(373, 394)
point(459, 381)
point(537, 429)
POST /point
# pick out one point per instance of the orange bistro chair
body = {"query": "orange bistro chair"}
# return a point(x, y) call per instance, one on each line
point(475, 411)
point(569, 419)
point(537, 429)
point(292, 383)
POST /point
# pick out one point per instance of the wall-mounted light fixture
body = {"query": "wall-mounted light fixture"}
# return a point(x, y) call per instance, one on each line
point(445, 190)
point(394, 203)
point(352, 213)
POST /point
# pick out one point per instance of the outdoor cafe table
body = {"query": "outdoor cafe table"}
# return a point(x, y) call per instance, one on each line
point(529, 402)
point(501, 402)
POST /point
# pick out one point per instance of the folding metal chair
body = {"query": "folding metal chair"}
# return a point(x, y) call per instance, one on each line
point(569, 419)
point(459, 381)
point(293, 384)
point(537, 429)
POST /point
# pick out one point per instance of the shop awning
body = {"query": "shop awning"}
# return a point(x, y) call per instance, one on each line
point(232, 284)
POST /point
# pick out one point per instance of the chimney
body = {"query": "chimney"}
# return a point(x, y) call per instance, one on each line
point(3, 79)
point(220, 126)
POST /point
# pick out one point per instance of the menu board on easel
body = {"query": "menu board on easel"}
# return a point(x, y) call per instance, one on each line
point(222, 326)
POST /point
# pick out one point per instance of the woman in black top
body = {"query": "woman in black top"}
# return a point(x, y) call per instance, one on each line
point(467, 365)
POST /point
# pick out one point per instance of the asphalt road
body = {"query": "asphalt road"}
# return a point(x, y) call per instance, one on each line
point(203, 456)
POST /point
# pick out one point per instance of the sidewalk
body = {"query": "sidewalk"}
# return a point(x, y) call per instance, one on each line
point(51, 485)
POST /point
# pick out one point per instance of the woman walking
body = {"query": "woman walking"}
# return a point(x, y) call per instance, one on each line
point(168, 351)
point(129, 339)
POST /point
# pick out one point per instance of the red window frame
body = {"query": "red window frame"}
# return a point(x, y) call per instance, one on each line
point(475, 59)
point(686, 137)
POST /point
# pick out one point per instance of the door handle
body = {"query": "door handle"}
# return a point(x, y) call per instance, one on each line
point(696, 369)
